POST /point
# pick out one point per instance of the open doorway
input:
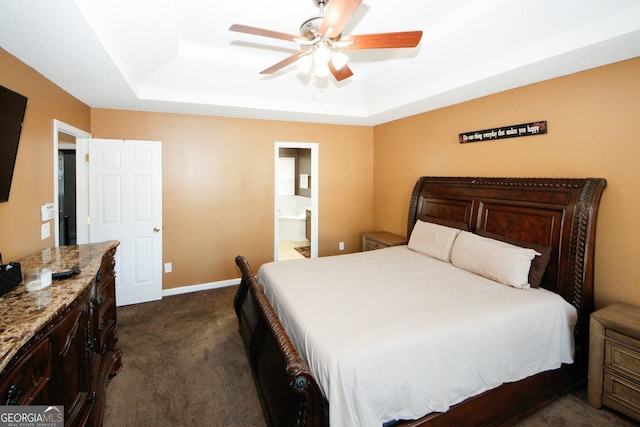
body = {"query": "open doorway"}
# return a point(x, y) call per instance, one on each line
point(68, 185)
point(295, 200)
point(67, 230)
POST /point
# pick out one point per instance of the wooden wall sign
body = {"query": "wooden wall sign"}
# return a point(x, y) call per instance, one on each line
point(514, 131)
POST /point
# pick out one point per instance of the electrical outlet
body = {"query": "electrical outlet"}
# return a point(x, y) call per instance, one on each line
point(45, 231)
point(341, 246)
point(167, 267)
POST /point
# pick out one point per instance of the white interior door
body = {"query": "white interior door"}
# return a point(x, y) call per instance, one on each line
point(125, 204)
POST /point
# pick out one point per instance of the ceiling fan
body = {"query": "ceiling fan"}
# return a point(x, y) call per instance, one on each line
point(322, 42)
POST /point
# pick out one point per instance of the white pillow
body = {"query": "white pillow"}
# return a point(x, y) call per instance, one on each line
point(433, 239)
point(499, 261)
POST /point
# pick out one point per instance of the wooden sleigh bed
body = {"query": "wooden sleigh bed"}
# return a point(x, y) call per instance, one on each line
point(557, 213)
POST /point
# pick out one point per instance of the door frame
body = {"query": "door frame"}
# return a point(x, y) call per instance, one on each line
point(82, 178)
point(314, 193)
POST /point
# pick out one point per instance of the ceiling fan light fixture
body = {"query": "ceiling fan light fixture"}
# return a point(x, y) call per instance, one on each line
point(322, 70)
point(322, 55)
point(339, 60)
point(304, 64)
point(321, 40)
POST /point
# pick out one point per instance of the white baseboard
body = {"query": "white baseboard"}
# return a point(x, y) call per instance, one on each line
point(201, 287)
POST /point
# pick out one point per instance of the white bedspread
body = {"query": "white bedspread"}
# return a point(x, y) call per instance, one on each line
point(393, 334)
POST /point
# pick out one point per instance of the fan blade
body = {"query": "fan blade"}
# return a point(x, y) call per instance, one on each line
point(336, 16)
point(264, 33)
point(341, 74)
point(287, 61)
point(382, 40)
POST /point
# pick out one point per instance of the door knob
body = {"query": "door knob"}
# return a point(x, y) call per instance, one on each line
point(156, 229)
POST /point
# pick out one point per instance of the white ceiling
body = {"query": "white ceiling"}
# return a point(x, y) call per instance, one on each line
point(178, 55)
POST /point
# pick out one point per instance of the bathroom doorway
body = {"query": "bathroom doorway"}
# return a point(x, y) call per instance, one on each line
point(295, 200)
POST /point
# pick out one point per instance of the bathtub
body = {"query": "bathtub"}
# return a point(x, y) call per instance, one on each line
point(292, 224)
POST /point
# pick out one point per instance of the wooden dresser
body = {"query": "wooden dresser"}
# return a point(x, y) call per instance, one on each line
point(614, 359)
point(59, 345)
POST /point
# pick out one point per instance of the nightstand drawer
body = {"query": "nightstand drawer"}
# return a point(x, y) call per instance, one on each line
point(620, 357)
point(621, 394)
point(372, 244)
point(614, 359)
point(381, 239)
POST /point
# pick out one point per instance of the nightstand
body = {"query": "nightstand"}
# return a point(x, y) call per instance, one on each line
point(614, 359)
point(381, 239)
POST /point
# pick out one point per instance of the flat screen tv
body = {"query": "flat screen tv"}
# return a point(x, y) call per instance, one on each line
point(12, 108)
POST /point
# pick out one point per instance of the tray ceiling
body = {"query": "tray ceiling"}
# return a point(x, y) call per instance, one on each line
point(178, 56)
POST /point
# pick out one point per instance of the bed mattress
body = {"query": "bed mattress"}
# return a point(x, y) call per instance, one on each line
point(394, 334)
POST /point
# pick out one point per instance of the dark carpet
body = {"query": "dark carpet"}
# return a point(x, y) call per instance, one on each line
point(184, 365)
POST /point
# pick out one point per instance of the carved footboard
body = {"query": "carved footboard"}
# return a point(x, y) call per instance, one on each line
point(289, 393)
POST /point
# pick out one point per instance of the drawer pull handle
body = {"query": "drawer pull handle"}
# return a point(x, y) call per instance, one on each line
point(97, 300)
point(13, 394)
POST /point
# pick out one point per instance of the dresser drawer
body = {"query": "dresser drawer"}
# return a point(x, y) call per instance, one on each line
point(28, 381)
point(620, 357)
point(105, 322)
point(107, 268)
point(104, 311)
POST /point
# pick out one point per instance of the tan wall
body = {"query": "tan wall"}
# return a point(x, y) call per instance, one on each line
point(218, 172)
point(32, 184)
point(593, 126)
point(218, 186)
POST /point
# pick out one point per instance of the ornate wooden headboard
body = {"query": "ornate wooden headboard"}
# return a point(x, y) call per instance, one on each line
point(560, 213)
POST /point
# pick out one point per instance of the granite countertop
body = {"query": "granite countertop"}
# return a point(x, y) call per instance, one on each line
point(23, 314)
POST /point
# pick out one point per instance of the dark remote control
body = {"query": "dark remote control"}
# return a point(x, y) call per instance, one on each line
point(65, 274)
